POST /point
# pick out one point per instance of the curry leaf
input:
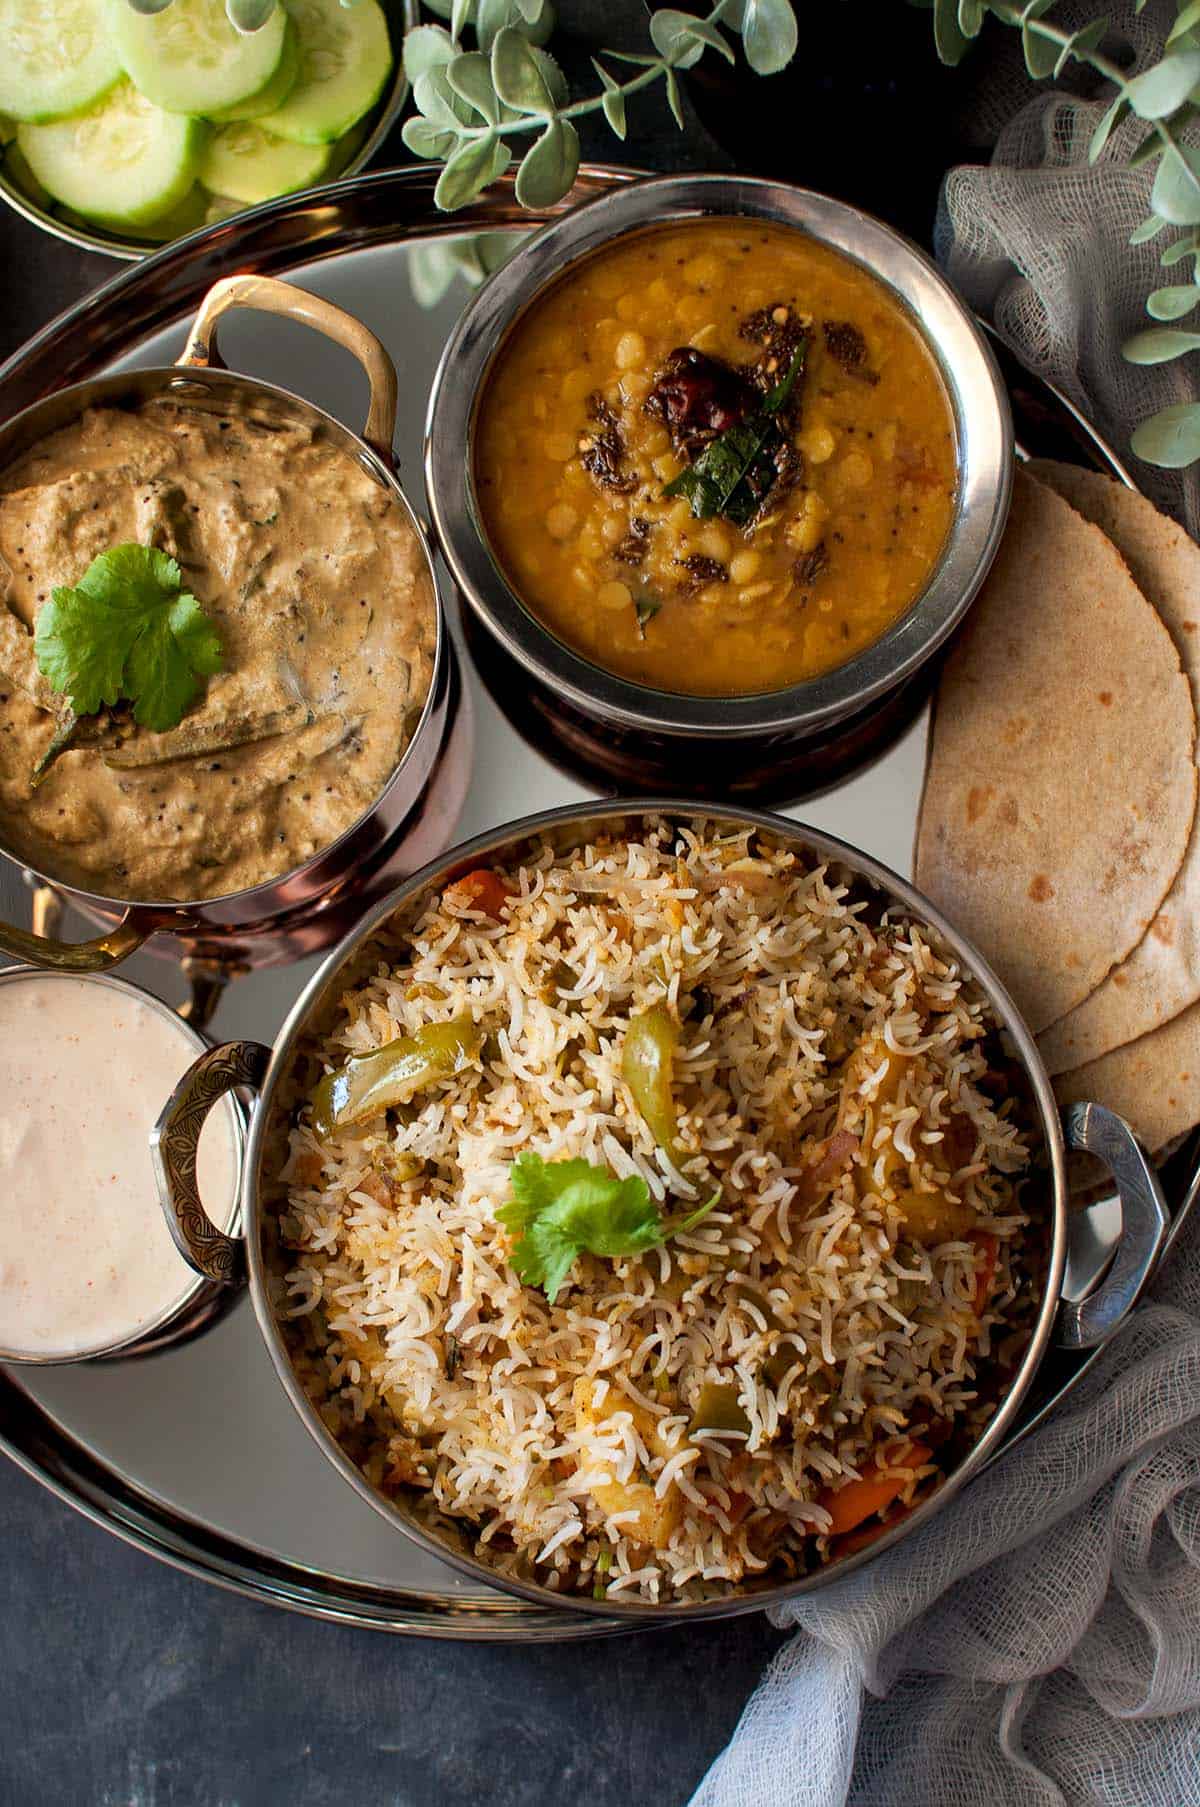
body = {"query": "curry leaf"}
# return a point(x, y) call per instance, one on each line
point(548, 170)
point(439, 103)
point(1149, 228)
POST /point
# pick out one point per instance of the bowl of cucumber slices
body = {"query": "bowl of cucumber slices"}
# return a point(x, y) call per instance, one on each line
point(121, 128)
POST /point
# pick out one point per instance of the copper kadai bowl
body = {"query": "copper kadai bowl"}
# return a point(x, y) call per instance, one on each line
point(305, 910)
point(253, 1258)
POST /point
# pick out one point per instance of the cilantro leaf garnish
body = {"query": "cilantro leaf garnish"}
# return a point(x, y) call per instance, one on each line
point(127, 630)
point(560, 1209)
point(734, 473)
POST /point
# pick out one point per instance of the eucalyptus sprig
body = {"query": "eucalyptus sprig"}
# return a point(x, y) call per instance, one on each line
point(473, 102)
point(1166, 99)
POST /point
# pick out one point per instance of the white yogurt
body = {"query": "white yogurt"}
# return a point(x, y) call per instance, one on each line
point(86, 1260)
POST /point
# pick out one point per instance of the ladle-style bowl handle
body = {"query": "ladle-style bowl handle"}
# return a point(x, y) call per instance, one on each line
point(1145, 1221)
point(173, 1144)
point(36, 947)
point(268, 296)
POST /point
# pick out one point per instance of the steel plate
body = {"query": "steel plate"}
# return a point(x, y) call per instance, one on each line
point(194, 1454)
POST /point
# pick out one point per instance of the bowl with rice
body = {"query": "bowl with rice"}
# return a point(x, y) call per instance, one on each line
point(656, 1211)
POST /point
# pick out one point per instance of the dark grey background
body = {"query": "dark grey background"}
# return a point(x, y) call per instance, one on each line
point(124, 1684)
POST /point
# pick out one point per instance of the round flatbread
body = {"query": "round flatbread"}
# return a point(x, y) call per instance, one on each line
point(1162, 974)
point(1061, 783)
point(1154, 1082)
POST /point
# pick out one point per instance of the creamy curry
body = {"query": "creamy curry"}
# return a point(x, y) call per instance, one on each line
point(717, 458)
point(320, 592)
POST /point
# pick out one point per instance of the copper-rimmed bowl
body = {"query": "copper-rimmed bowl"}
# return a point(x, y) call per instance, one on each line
point(716, 746)
point(254, 1258)
point(306, 909)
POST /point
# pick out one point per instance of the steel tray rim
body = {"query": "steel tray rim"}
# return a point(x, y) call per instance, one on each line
point(381, 208)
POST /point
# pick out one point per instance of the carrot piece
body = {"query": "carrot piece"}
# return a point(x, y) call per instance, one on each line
point(862, 1538)
point(987, 1252)
point(480, 890)
point(875, 1489)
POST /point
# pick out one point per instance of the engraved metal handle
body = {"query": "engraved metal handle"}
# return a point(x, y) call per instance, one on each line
point(173, 1144)
point(268, 296)
point(40, 946)
point(1145, 1222)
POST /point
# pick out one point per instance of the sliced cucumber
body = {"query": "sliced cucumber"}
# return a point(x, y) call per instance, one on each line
point(276, 90)
point(124, 163)
point(345, 61)
point(189, 58)
point(55, 57)
point(247, 163)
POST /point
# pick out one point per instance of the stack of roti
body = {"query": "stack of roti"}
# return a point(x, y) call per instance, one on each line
point(1059, 824)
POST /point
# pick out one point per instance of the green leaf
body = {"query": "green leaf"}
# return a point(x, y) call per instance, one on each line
point(1170, 438)
point(249, 15)
point(561, 1209)
point(549, 167)
point(1182, 247)
point(1150, 148)
point(673, 97)
point(426, 141)
point(553, 77)
point(470, 75)
point(427, 47)
point(439, 103)
point(1157, 92)
point(1105, 129)
point(629, 56)
point(126, 630)
point(1175, 196)
point(1188, 19)
point(1159, 344)
point(950, 42)
point(518, 78)
point(970, 17)
point(681, 37)
point(1081, 42)
point(769, 34)
point(612, 101)
point(1149, 228)
point(431, 270)
point(460, 17)
point(733, 474)
point(466, 174)
point(494, 16)
point(1174, 302)
point(1041, 54)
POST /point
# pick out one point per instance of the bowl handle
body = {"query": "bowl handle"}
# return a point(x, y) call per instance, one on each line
point(40, 946)
point(173, 1144)
point(271, 297)
point(1086, 1323)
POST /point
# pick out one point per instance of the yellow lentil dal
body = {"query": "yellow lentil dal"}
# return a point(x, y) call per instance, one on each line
point(620, 378)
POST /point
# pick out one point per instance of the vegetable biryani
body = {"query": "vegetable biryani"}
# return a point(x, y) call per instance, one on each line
point(653, 1213)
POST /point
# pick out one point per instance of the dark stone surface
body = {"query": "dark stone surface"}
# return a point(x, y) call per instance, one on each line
point(125, 1684)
